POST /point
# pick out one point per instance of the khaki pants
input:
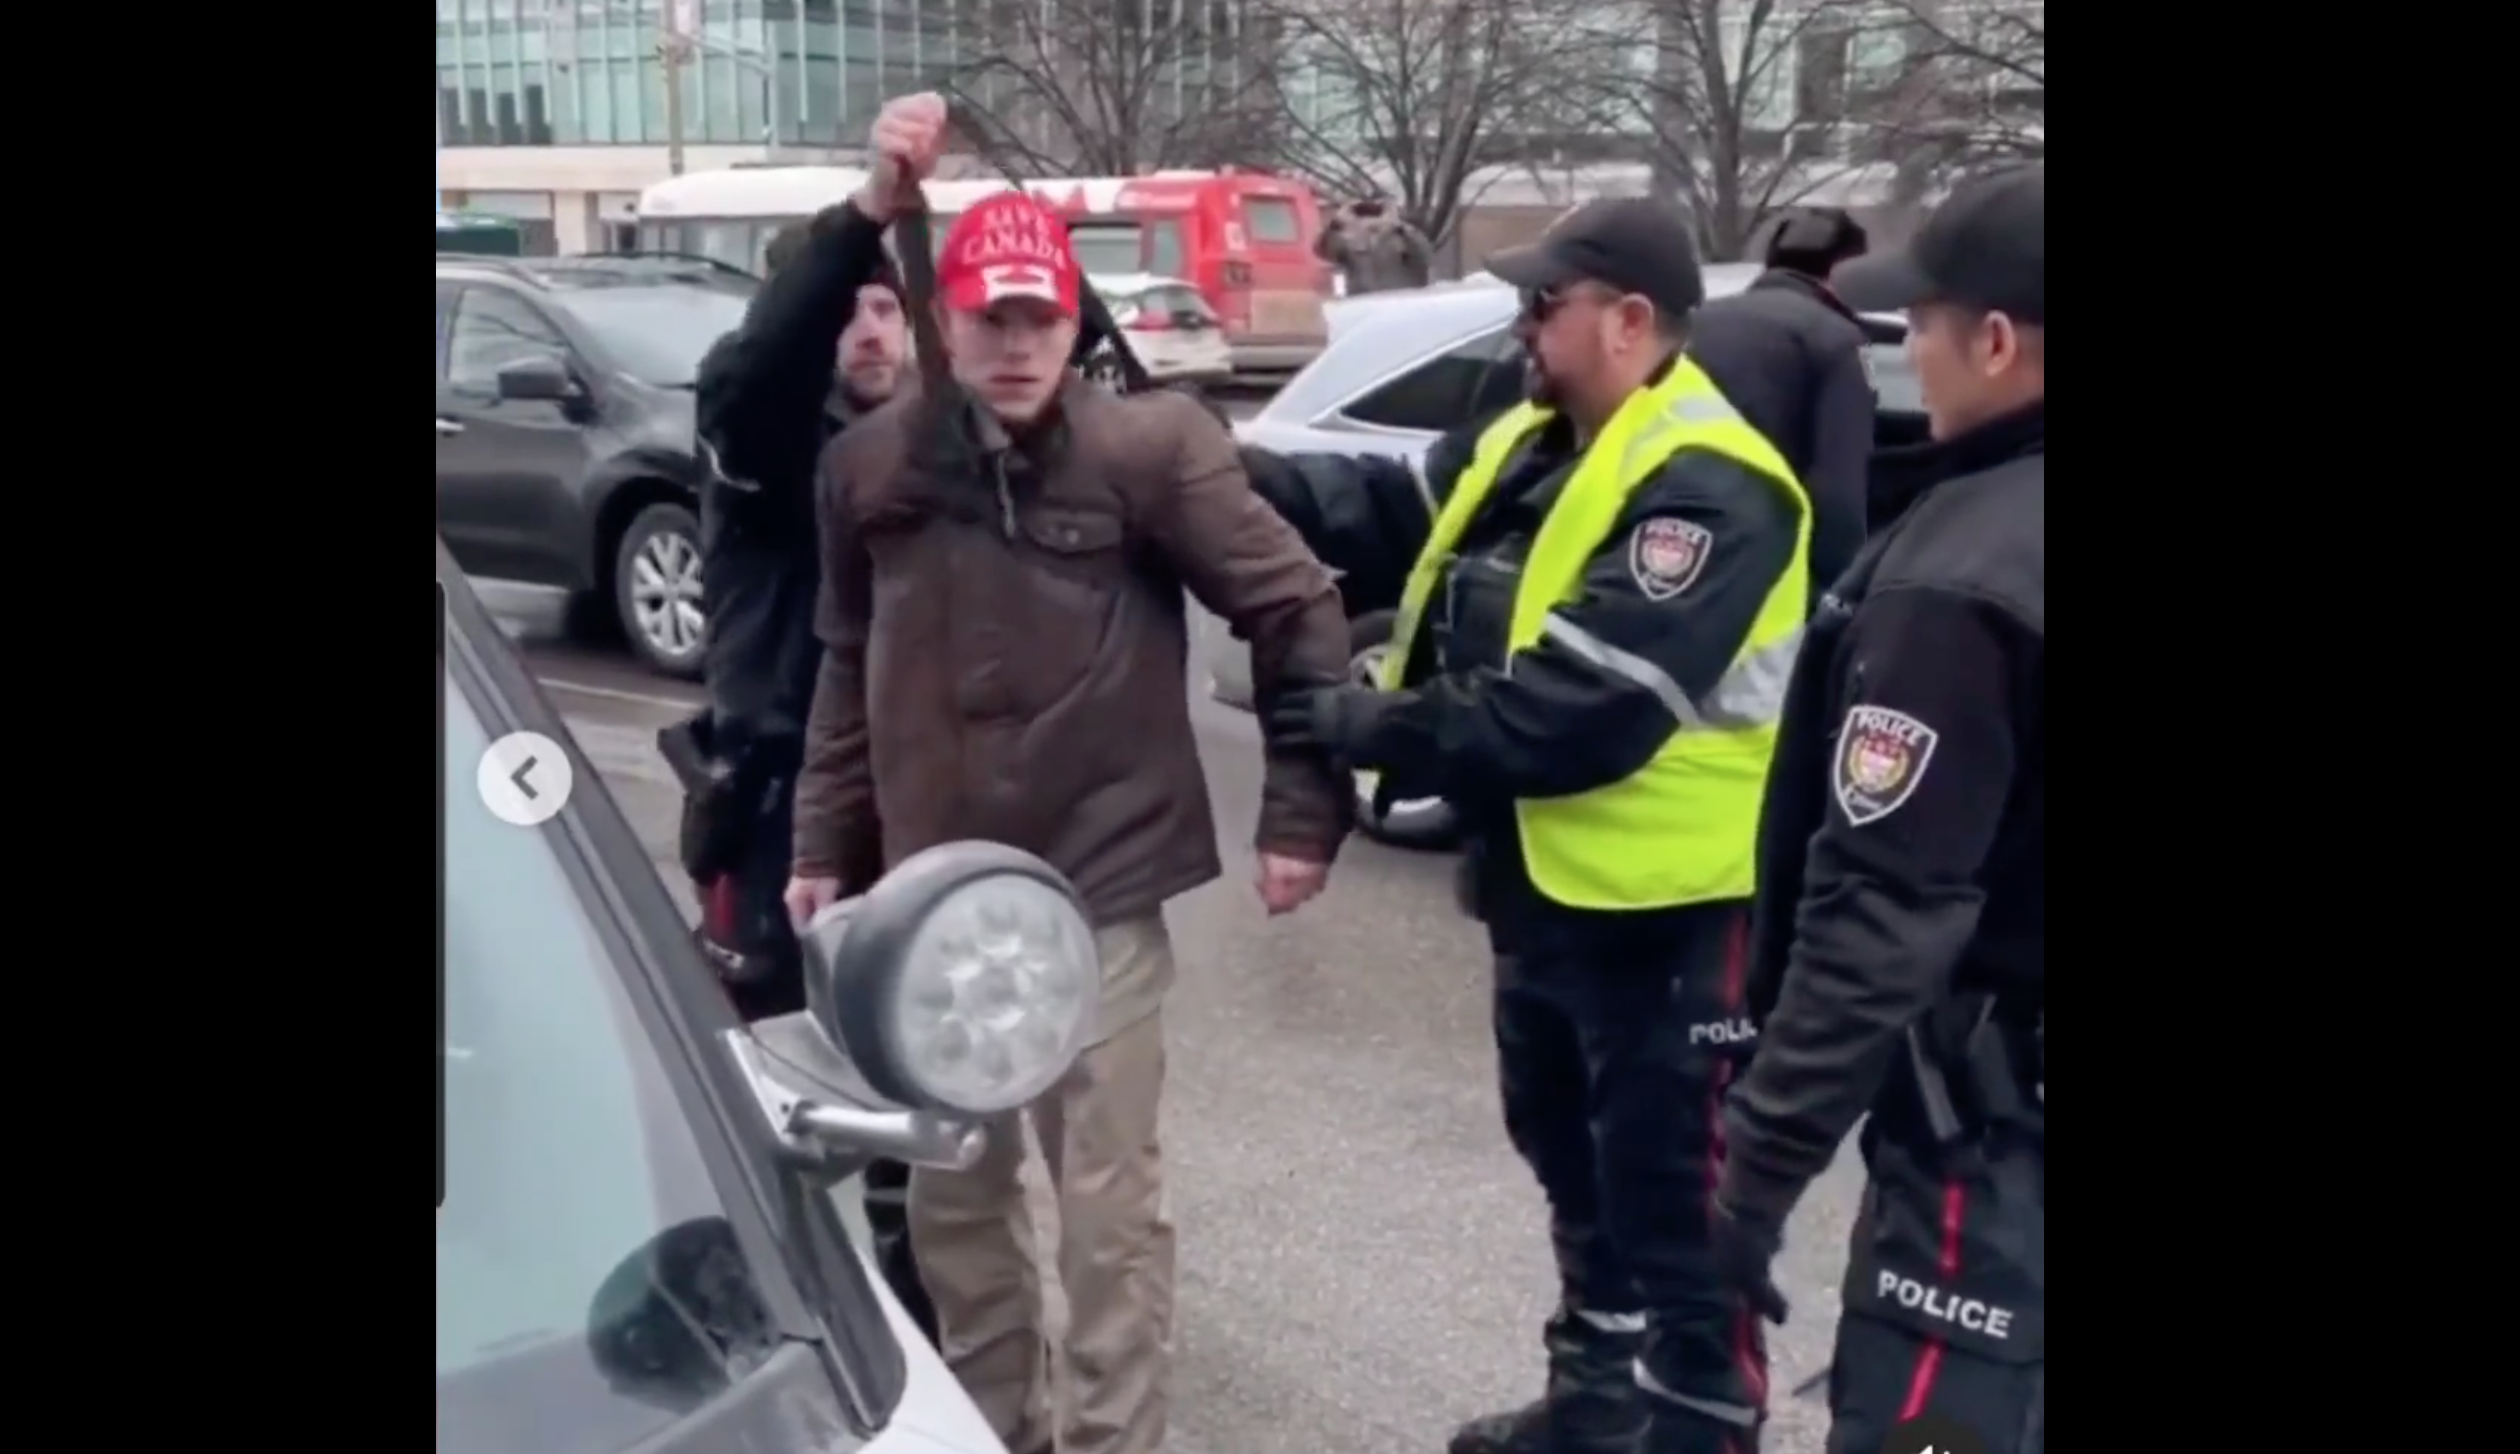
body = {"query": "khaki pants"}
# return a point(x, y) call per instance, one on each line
point(973, 1236)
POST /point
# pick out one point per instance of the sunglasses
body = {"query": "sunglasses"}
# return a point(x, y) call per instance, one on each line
point(1539, 305)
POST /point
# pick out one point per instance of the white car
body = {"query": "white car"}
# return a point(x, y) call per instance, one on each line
point(1171, 329)
point(645, 1232)
point(1400, 369)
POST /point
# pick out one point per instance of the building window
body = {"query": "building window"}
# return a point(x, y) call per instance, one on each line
point(586, 72)
point(1821, 56)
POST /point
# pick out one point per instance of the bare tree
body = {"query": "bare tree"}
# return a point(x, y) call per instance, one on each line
point(1973, 88)
point(1416, 99)
point(1740, 107)
point(1111, 87)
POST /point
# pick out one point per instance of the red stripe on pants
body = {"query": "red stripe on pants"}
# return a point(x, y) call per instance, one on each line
point(1746, 1353)
point(1929, 1362)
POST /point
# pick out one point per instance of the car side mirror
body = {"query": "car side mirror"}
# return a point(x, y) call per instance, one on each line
point(960, 987)
point(543, 377)
point(676, 1315)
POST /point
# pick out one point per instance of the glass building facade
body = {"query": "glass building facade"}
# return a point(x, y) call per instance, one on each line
point(799, 73)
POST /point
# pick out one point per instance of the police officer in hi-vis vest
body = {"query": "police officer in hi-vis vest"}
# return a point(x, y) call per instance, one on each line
point(1600, 594)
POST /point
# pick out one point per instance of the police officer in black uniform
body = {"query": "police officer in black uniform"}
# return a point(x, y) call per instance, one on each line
point(1608, 583)
point(772, 394)
point(1902, 945)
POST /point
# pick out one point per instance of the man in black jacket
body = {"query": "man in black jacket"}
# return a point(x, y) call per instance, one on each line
point(822, 343)
point(1789, 354)
point(1901, 950)
point(1598, 592)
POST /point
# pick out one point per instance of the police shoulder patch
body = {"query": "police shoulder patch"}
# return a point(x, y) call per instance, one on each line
point(1881, 756)
point(1666, 556)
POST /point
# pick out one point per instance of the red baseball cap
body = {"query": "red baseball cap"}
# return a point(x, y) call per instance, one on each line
point(1008, 245)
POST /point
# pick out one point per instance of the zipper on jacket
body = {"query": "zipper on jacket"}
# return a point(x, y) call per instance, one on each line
point(1005, 496)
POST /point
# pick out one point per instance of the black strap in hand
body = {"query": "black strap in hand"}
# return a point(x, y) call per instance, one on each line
point(918, 281)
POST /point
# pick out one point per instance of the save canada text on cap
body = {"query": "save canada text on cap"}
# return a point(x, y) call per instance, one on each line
point(1008, 246)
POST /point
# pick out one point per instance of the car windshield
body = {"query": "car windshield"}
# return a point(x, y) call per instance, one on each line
point(657, 335)
point(1107, 246)
point(1176, 301)
point(578, 1208)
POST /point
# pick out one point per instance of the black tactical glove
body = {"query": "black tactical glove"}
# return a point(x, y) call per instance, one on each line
point(1273, 480)
point(1745, 1258)
point(1337, 720)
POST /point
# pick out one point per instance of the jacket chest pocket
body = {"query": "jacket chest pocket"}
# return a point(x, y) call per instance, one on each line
point(1062, 602)
point(1476, 616)
point(1075, 541)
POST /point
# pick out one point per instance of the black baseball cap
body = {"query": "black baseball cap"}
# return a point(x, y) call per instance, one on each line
point(1985, 246)
point(1634, 244)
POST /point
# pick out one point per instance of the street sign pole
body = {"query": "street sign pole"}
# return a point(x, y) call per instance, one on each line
point(682, 30)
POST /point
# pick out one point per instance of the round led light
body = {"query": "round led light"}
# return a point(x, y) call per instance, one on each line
point(995, 995)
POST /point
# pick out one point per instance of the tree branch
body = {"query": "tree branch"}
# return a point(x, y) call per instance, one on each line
point(1420, 98)
point(1113, 87)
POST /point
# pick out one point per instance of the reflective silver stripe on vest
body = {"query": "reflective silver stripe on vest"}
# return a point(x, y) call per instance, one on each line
point(1687, 409)
point(1751, 694)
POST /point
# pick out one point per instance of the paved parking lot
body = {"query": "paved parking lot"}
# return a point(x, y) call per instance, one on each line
point(1363, 1261)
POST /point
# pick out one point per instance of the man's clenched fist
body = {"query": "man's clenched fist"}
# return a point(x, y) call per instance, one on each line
point(909, 134)
point(806, 897)
point(1287, 884)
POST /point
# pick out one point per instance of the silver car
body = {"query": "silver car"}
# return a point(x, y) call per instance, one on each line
point(1400, 369)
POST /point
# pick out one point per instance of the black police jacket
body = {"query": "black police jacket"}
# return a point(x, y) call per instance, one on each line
point(1790, 357)
point(1902, 855)
point(1555, 719)
point(765, 412)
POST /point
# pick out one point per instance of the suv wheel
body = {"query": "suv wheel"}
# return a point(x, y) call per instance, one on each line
point(1427, 823)
point(656, 589)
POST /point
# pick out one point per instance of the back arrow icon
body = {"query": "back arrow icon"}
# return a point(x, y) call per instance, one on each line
point(525, 778)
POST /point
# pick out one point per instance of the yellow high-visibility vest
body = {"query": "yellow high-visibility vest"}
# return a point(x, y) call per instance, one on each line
point(1682, 829)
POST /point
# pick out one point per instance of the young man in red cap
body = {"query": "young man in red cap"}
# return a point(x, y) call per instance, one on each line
point(1004, 576)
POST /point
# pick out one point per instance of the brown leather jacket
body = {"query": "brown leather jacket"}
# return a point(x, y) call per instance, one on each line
point(1009, 661)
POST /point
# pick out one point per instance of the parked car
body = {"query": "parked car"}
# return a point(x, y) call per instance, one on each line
point(566, 452)
point(1401, 368)
point(645, 1235)
point(1171, 329)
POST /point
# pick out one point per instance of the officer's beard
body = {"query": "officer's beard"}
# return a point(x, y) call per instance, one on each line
point(1538, 386)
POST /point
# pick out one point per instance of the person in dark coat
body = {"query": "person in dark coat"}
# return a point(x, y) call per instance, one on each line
point(1375, 247)
point(1790, 356)
point(822, 344)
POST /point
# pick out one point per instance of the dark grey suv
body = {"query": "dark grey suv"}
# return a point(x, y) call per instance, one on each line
point(566, 454)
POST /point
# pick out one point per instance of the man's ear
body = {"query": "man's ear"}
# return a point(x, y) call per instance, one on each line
point(1639, 315)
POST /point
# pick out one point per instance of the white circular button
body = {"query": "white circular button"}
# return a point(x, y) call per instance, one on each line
point(525, 778)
